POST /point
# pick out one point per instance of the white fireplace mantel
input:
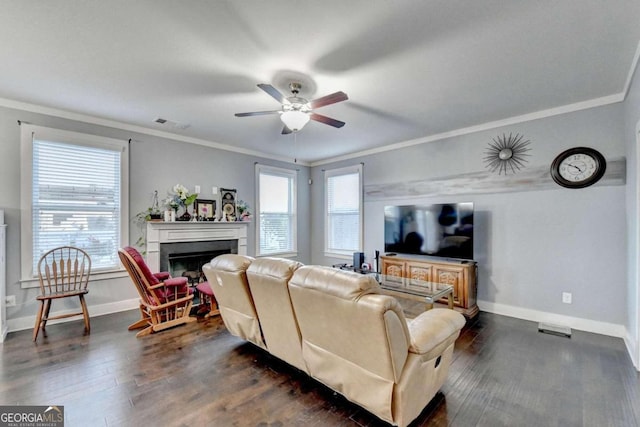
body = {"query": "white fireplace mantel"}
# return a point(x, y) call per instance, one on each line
point(173, 232)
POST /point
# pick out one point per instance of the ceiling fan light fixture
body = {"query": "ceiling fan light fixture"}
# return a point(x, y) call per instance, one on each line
point(294, 119)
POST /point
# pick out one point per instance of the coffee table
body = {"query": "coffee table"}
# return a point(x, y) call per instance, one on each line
point(415, 289)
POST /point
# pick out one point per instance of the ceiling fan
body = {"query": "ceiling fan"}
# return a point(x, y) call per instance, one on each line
point(296, 111)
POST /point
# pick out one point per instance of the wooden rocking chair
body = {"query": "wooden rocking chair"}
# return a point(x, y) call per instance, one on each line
point(165, 302)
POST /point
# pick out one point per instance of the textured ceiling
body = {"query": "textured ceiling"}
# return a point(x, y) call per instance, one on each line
point(412, 69)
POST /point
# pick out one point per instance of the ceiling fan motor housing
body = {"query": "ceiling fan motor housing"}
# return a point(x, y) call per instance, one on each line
point(295, 87)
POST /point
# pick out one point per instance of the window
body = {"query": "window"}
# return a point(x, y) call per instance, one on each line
point(343, 211)
point(74, 192)
point(276, 207)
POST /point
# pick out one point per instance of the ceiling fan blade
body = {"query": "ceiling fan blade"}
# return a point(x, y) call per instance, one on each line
point(286, 130)
point(326, 120)
point(275, 93)
point(257, 113)
point(329, 99)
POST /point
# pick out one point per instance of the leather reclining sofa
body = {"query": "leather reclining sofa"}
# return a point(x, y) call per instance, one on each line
point(340, 329)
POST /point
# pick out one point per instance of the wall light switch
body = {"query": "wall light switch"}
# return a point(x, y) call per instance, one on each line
point(566, 297)
point(214, 190)
point(197, 190)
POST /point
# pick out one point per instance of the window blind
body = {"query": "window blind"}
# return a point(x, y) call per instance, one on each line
point(277, 212)
point(76, 193)
point(343, 212)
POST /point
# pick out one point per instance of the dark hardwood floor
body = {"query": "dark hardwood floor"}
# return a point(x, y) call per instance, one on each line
point(504, 373)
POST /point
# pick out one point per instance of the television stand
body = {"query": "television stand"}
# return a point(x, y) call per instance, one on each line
point(461, 274)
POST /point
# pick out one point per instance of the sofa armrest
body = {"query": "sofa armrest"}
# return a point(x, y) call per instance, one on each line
point(433, 329)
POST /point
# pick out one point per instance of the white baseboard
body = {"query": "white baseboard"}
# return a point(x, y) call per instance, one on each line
point(603, 328)
point(22, 323)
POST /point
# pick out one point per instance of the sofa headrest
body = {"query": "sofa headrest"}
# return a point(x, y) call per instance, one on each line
point(280, 268)
point(342, 284)
point(231, 263)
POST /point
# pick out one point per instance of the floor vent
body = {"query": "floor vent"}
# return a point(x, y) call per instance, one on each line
point(548, 328)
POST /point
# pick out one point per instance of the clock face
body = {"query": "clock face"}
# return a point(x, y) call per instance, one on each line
point(578, 167)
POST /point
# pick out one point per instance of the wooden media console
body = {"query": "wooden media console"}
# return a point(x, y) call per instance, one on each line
point(460, 274)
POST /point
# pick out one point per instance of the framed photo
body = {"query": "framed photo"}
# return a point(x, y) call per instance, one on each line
point(205, 209)
point(228, 203)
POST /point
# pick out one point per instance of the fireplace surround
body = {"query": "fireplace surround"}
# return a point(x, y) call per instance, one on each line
point(190, 239)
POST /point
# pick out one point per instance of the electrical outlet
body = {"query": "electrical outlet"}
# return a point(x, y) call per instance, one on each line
point(197, 189)
point(566, 297)
point(10, 301)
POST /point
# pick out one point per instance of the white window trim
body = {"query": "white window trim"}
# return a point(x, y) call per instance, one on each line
point(27, 132)
point(293, 175)
point(95, 277)
point(336, 172)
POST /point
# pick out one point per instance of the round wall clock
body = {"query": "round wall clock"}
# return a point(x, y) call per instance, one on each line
point(578, 167)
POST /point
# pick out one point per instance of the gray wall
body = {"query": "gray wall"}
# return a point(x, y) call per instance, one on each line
point(531, 246)
point(160, 164)
point(155, 164)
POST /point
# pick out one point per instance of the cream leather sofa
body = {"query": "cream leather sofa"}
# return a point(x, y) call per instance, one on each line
point(227, 276)
point(268, 281)
point(339, 328)
point(357, 341)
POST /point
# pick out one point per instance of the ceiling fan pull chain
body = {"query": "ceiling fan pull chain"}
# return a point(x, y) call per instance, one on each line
point(295, 147)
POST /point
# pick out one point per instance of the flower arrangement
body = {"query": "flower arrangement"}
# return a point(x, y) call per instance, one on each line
point(243, 210)
point(180, 197)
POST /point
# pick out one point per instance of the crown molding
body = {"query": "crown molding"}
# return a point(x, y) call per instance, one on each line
point(569, 108)
point(632, 71)
point(85, 118)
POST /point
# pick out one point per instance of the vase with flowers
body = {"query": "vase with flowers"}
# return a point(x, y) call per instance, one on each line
point(180, 197)
point(243, 210)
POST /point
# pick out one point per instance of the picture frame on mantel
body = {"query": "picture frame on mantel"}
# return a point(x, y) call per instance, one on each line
point(228, 204)
point(205, 209)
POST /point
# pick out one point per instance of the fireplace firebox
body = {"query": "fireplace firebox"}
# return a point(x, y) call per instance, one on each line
point(180, 257)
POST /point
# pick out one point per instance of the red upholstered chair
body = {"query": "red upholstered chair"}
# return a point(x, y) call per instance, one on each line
point(164, 301)
point(208, 301)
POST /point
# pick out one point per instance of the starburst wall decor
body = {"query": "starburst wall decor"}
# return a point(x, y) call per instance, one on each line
point(507, 153)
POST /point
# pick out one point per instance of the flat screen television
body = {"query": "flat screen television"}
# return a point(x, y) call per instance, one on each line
point(439, 230)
